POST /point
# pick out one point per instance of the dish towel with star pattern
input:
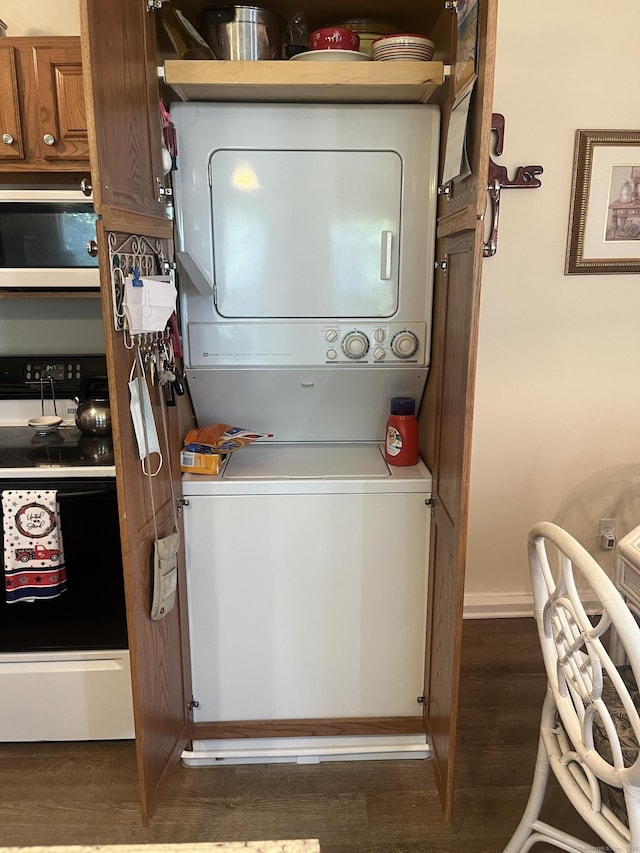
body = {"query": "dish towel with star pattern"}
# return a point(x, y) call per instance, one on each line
point(34, 568)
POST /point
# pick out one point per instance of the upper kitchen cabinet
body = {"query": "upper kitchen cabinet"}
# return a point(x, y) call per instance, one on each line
point(43, 124)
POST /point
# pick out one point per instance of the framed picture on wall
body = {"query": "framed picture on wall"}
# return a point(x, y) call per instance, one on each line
point(604, 219)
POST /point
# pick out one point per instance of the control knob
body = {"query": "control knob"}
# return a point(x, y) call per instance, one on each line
point(404, 344)
point(355, 344)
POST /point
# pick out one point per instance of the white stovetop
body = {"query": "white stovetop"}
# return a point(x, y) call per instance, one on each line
point(17, 413)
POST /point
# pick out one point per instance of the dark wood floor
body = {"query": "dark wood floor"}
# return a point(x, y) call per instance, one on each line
point(87, 794)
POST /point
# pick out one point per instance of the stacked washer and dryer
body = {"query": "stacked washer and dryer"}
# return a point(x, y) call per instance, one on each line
point(305, 244)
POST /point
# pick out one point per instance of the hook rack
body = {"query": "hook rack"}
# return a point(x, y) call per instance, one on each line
point(127, 253)
point(525, 179)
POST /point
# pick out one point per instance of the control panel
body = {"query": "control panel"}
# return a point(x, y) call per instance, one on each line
point(21, 377)
point(306, 344)
point(376, 346)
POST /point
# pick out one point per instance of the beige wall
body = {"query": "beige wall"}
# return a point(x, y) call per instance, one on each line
point(557, 420)
point(41, 17)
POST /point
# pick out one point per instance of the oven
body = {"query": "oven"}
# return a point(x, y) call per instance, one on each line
point(64, 660)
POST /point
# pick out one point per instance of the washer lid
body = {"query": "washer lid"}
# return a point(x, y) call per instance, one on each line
point(307, 461)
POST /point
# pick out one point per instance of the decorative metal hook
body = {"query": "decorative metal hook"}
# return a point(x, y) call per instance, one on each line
point(525, 178)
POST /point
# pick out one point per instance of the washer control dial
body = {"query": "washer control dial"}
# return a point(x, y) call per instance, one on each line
point(378, 354)
point(331, 354)
point(404, 344)
point(379, 335)
point(331, 335)
point(355, 344)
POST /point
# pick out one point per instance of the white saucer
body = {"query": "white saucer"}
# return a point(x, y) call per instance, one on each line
point(332, 56)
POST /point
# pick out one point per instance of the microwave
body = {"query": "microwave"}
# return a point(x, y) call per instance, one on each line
point(45, 236)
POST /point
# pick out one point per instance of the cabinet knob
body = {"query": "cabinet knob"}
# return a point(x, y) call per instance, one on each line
point(92, 248)
point(86, 187)
point(48, 139)
point(7, 139)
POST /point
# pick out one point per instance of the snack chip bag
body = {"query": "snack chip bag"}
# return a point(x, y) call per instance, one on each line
point(205, 448)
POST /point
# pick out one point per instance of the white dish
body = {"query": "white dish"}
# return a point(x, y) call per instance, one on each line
point(403, 57)
point(45, 424)
point(405, 39)
point(332, 56)
point(404, 51)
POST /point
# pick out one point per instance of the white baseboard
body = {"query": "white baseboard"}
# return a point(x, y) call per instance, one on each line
point(509, 605)
point(504, 605)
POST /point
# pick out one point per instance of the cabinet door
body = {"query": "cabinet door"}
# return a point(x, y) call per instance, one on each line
point(11, 144)
point(121, 94)
point(447, 415)
point(287, 622)
point(125, 130)
point(62, 130)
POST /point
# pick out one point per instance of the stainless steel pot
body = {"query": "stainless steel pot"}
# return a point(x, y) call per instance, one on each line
point(93, 415)
point(242, 32)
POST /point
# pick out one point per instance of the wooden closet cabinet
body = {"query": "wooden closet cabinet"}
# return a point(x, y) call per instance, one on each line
point(43, 125)
point(120, 61)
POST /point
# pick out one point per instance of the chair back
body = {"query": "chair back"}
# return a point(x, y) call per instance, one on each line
point(577, 607)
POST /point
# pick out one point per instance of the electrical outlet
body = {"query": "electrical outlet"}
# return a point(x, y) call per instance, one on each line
point(607, 527)
point(607, 533)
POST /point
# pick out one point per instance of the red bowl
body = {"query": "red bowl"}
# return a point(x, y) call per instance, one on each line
point(334, 38)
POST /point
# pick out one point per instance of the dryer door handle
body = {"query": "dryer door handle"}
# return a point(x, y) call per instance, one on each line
point(386, 243)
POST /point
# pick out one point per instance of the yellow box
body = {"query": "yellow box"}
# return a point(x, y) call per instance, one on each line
point(200, 463)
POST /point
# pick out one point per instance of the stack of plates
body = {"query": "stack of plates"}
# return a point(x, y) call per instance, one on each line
point(405, 46)
point(369, 29)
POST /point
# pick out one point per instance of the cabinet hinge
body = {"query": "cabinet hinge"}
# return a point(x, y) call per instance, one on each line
point(180, 503)
point(422, 700)
point(163, 193)
point(153, 5)
point(191, 704)
point(431, 502)
point(446, 190)
point(451, 5)
point(441, 265)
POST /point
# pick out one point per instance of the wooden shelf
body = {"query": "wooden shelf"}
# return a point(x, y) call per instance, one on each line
point(363, 82)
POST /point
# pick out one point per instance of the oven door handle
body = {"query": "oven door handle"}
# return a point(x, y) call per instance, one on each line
point(86, 493)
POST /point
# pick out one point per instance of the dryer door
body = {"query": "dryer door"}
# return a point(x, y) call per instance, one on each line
point(306, 234)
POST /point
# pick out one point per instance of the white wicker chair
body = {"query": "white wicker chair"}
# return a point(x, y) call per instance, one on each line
point(590, 728)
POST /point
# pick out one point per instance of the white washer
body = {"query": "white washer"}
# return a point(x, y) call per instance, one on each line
point(307, 585)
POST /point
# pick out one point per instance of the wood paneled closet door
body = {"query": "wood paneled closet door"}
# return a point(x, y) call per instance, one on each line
point(446, 417)
point(121, 89)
